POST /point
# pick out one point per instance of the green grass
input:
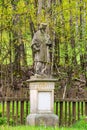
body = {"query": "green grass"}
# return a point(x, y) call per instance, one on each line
point(36, 128)
point(80, 125)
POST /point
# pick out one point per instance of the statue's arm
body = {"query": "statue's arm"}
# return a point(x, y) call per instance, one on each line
point(36, 48)
point(49, 42)
point(35, 44)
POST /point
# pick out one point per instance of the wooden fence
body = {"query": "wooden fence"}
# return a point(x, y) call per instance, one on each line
point(15, 110)
point(70, 110)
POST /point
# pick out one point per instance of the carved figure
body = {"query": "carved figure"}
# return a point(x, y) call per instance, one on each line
point(41, 44)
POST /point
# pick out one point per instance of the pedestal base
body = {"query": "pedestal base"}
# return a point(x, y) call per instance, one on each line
point(42, 102)
point(42, 120)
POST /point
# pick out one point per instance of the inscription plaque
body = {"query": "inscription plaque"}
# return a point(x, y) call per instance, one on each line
point(44, 101)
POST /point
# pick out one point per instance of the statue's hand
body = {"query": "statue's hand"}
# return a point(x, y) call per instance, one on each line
point(36, 49)
point(49, 44)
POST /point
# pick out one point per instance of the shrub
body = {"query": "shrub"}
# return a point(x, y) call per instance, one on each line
point(3, 120)
point(81, 124)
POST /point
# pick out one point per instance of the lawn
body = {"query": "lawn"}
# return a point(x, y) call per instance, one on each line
point(36, 128)
point(80, 125)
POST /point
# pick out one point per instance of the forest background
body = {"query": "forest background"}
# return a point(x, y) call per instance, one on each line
point(67, 27)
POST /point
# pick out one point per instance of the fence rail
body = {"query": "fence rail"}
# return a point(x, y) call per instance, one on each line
point(15, 110)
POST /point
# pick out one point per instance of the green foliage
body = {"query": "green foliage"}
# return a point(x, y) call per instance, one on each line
point(58, 16)
point(15, 20)
point(82, 124)
point(3, 120)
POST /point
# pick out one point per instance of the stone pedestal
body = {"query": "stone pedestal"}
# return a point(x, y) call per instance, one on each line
point(42, 102)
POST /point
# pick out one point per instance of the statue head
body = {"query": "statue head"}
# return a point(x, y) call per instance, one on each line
point(43, 26)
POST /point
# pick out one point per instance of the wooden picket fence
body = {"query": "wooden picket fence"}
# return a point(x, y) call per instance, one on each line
point(15, 110)
point(70, 110)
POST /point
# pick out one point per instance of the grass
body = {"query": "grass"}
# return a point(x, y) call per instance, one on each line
point(36, 128)
point(80, 125)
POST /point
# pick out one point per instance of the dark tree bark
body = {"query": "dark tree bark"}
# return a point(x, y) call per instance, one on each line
point(64, 34)
point(19, 50)
point(72, 37)
point(81, 35)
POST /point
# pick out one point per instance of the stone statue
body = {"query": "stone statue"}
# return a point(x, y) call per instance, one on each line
point(41, 45)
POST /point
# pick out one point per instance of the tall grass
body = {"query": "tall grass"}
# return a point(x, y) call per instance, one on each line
point(80, 125)
point(36, 128)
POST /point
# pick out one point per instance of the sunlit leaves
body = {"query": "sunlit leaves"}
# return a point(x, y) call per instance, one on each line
point(58, 16)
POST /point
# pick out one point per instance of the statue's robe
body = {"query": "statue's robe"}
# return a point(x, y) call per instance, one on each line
point(40, 45)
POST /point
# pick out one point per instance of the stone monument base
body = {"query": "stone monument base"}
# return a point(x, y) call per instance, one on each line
point(42, 102)
point(42, 120)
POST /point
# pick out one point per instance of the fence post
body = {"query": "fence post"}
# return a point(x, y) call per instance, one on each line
point(78, 110)
point(82, 108)
point(61, 113)
point(16, 112)
point(3, 104)
point(73, 111)
point(8, 111)
point(69, 113)
point(86, 108)
point(65, 113)
point(13, 110)
point(56, 108)
point(22, 112)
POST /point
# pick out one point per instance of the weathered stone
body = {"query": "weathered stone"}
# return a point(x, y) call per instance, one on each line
point(42, 119)
point(41, 84)
point(41, 44)
point(42, 102)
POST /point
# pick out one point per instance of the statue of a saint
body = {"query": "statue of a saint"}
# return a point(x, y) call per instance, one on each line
point(41, 44)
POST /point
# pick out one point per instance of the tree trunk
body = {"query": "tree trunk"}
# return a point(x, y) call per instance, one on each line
point(72, 37)
point(64, 34)
point(81, 36)
point(20, 57)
